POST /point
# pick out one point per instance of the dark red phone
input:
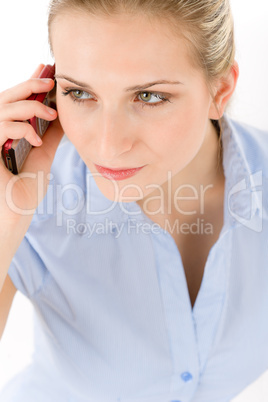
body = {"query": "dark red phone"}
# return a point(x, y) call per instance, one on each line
point(14, 152)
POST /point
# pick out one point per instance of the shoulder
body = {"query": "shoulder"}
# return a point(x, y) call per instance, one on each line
point(66, 186)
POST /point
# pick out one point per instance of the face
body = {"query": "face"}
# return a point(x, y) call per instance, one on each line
point(128, 97)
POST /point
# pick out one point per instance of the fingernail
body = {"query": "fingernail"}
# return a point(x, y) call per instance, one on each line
point(46, 80)
point(51, 111)
point(38, 139)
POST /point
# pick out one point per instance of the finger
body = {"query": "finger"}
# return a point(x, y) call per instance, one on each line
point(26, 89)
point(15, 130)
point(38, 71)
point(25, 110)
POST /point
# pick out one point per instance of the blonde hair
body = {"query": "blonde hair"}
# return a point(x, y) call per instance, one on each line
point(207, 25)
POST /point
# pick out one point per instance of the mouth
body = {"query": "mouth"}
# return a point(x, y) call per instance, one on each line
point(118, 173)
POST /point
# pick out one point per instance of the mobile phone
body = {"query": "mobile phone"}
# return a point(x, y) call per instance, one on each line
point(15, 152)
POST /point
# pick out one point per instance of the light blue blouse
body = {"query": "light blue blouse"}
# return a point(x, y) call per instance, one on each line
point(113, 318)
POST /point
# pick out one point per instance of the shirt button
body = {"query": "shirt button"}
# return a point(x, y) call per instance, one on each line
point(186, 376)
point(114, 230)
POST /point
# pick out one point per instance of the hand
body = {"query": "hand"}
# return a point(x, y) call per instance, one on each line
point(15, 110)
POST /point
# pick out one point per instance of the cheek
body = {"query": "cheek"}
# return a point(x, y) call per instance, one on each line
point(64, 114)
point(71, 125)
point(178, 141)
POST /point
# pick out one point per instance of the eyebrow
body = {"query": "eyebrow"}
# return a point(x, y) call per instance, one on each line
point(134, 88)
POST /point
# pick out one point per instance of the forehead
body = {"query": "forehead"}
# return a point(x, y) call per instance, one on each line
point(133, 42)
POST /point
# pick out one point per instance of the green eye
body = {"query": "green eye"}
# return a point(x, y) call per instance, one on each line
point(151, 99)
point(78, 94)
point(146, 96)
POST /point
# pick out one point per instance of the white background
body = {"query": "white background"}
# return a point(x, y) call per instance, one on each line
point(23, 46)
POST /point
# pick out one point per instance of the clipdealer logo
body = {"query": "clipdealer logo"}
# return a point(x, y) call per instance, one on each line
point(136, 227)
point(70, 199)
point(254, 192)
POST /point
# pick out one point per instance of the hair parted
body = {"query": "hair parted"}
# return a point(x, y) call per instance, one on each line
point(207, 25)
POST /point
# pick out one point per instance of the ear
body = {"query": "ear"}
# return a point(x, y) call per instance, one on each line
point(223, 91)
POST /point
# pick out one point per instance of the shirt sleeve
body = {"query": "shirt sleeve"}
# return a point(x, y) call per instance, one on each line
point(27, 270)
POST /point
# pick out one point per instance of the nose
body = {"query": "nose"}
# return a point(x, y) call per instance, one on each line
point(113, 137)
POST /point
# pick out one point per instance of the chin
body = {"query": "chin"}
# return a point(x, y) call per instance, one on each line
point(119, 191)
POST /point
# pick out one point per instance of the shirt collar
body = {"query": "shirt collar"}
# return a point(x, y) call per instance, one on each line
point(243, 197)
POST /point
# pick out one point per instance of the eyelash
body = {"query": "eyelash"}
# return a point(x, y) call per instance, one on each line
point(159, 96)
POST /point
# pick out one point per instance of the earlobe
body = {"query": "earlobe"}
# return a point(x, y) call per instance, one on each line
point(225, 89)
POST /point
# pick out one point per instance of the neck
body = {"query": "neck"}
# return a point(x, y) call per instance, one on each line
point(206, 167)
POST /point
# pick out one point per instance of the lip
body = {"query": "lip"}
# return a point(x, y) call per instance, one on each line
point(119, 173)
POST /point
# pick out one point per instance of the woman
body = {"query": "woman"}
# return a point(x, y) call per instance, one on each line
point(146, 260)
